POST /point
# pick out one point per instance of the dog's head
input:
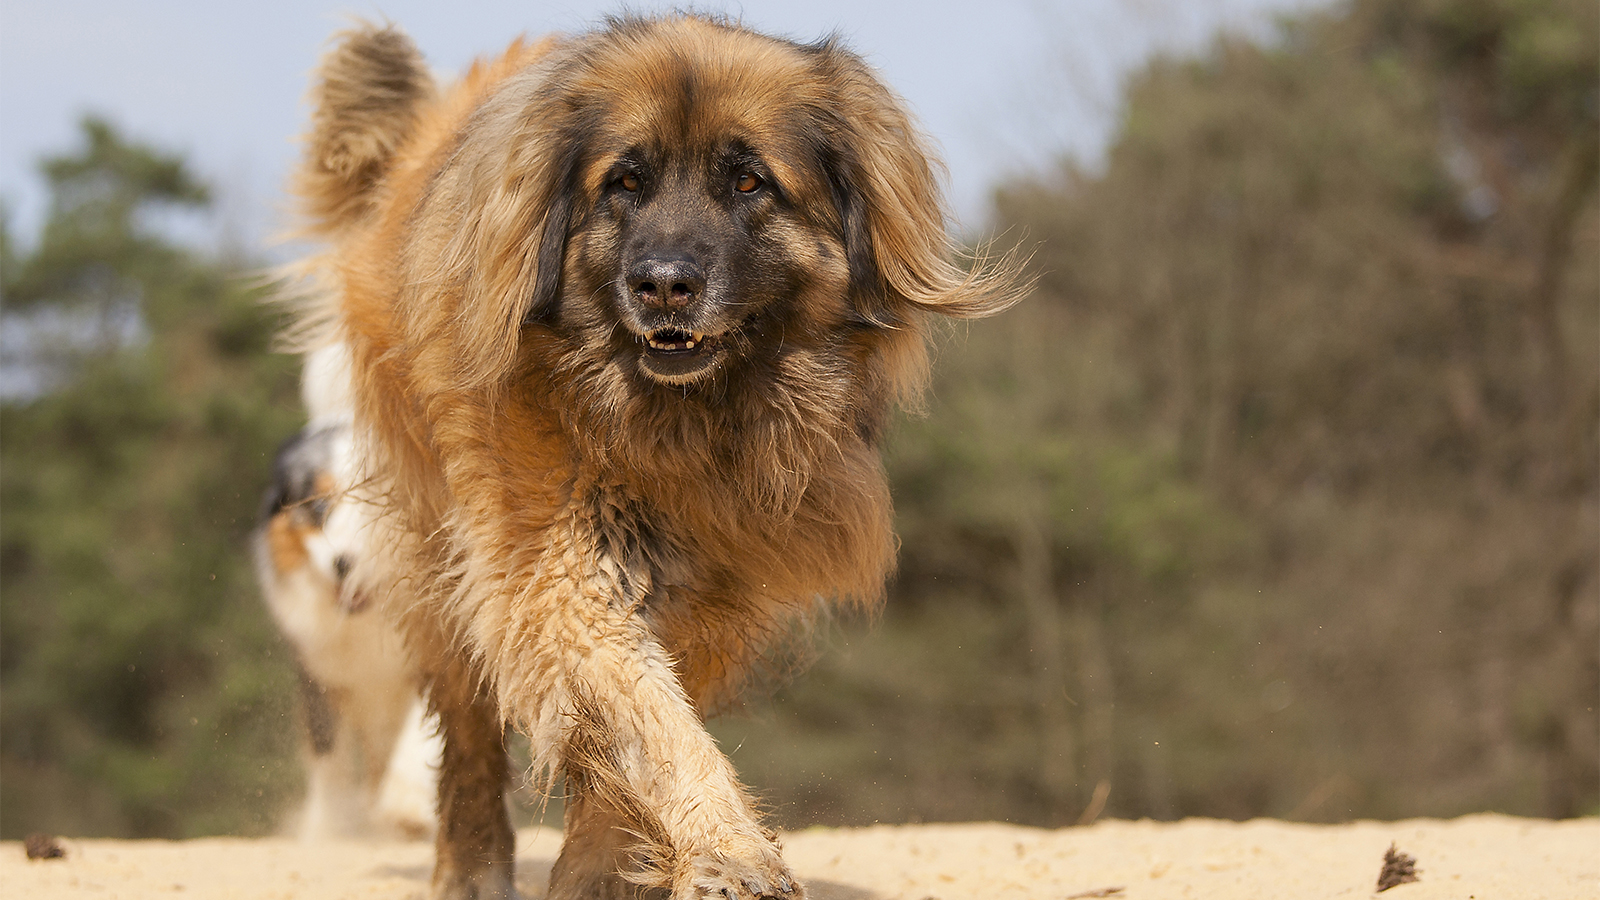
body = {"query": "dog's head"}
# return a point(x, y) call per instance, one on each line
point(683, 246)
point(677, 202)
point(686, 198)
point(305, 536)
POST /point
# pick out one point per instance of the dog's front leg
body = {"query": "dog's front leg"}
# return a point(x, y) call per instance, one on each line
point(581, 669)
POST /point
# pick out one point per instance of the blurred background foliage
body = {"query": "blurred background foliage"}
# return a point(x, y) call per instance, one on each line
point(142, 689)
point(1279, 497)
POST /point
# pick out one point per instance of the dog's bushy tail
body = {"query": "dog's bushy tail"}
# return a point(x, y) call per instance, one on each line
point(366, 97)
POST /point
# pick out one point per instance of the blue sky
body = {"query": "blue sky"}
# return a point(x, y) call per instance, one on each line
point(1002, 85)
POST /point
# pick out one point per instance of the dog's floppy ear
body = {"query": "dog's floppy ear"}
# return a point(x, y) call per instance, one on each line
point(366, 96)
point(882, 176)
point(503, 207)
point(553, 237)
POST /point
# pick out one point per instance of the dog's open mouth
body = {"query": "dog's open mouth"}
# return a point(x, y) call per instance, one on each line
point(677, 356)
point(673, 341)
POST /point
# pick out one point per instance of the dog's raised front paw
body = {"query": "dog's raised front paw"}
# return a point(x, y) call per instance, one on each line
point(739, 870)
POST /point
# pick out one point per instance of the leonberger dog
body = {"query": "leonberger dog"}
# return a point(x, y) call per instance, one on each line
point(626, 313)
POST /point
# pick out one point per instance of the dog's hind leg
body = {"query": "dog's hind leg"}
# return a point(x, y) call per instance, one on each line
point(475, 846)
point(594, 853)
point(333, 798)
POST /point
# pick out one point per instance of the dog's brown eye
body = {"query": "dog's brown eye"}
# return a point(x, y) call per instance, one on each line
point(630, 181)
point(747, 182)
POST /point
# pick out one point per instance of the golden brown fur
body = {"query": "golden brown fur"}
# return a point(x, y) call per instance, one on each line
point(626, 312)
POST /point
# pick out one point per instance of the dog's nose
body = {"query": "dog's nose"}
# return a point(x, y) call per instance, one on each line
point(666, 282)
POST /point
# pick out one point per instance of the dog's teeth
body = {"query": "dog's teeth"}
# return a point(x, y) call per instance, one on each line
point(688, 341)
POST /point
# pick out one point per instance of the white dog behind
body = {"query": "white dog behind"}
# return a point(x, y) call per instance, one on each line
point(371, 752)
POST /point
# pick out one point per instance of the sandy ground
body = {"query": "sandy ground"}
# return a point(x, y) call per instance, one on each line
point(1473, 858)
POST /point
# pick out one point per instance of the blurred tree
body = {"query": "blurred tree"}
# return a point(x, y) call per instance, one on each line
point(141, 684)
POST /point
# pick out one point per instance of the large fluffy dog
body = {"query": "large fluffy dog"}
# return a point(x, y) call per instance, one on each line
point(626, 313)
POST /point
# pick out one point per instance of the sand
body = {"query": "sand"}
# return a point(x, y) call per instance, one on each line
point(1484, 857)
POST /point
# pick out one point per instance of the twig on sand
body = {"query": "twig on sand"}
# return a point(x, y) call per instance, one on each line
point(1398, 868)
point(42, 846)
